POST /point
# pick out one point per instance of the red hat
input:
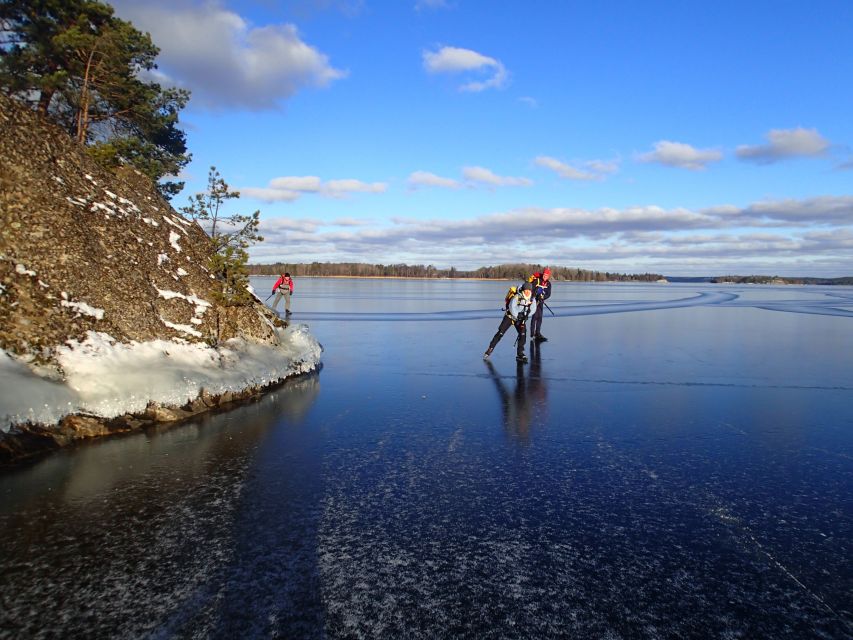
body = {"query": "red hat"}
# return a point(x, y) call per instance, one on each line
point(547, 271)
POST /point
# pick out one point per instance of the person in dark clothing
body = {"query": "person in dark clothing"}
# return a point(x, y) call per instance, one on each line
point(541, 283)
point(521, 305)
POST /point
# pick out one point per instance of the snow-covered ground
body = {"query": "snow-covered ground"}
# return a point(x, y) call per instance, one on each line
point(105, 378)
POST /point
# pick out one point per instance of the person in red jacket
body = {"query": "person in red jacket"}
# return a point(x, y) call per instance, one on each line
point(541, 292)
point(283, 287)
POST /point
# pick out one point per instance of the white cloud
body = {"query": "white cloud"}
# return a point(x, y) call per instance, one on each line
point(350, 222)
point(276, 225)
point(290, 188)
point(342, 188)
point(785, 143)
point(297, 183)
point(266, 194)
point(595, 169)
point(472, 177)
point(787, 234)
point(485, 176)
point(810, 211)
point(223, 59)
point(533, 103)
point(426, 179)
point(679, 154)
point(457, 60)
point(603, 166)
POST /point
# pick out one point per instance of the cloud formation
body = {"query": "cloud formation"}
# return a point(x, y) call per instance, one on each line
point(290, 188)
point(223, 59)
point(594, 169)
point(679, 154)
point(785, 143)
point(790, 235)
point(473, 177)
point(426, 179)
point(457, 60)
point(487, 177)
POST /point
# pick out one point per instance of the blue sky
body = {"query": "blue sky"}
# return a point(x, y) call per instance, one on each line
point(681, 138)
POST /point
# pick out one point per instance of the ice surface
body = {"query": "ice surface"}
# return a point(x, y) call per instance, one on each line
point(680, 469)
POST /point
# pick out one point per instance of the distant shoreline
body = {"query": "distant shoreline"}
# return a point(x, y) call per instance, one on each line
point(264, 275)
point(822, 282)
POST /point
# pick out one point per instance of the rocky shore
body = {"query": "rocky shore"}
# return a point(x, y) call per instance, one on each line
point(87, 256)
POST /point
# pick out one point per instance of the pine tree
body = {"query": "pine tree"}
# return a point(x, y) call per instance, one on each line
point(78, 64)
point(230, 236)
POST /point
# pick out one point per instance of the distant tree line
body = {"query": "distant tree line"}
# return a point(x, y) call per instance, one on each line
point(781, 280)
point(516, 271)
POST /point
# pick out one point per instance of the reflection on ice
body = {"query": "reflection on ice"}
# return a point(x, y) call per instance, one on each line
point(526, 405)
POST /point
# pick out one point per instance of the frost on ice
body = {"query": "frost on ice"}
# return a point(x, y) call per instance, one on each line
point(108, 379)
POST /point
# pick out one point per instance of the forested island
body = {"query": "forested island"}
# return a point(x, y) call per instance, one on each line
point(499, 272)
point(780, 280)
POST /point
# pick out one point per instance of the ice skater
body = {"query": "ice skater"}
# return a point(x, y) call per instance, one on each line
point(283, 288)
point(541, 283)
point(520, 306)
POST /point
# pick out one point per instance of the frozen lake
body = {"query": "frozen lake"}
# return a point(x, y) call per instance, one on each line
point(676, 461)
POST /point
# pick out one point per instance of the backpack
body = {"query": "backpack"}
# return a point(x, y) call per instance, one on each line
point(512, 291)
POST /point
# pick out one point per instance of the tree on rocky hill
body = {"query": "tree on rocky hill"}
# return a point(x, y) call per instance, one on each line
point(75, 62)
point(230, 236)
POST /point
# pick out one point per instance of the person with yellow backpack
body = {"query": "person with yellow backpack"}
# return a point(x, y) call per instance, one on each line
point(519, 305)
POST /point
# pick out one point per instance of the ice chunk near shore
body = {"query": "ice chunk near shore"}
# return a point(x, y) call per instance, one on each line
point(107, 378)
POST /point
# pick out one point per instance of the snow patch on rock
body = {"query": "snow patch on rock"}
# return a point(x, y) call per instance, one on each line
point(183, 328)
point(84, 308)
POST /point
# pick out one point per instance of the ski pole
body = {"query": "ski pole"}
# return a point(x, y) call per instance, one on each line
point(269, 296)
point(549, 308)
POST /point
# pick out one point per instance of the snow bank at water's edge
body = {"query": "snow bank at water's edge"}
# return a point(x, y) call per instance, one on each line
point(105, 378)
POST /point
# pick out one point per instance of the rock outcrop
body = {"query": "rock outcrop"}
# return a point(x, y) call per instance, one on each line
point(85, 250)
